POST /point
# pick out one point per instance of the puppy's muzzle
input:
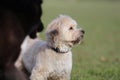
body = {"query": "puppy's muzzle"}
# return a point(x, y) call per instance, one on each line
point(80, 37)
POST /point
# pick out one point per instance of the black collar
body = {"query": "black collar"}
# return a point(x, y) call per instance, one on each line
point(57, 50)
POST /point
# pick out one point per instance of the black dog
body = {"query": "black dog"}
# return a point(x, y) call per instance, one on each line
point(18, 18)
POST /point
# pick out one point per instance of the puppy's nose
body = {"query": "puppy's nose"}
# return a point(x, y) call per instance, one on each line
point(83, 31)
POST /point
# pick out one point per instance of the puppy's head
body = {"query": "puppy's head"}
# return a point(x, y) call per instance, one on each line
point(63, 30)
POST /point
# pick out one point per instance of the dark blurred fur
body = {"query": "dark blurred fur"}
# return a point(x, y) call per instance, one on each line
point(18, 18)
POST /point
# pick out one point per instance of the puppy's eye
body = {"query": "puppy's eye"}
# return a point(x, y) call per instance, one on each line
point(71, 28)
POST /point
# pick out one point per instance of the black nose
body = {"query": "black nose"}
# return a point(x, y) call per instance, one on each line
point(83, 31)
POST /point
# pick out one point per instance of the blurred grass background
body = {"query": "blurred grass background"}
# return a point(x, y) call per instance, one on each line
point(98, 57)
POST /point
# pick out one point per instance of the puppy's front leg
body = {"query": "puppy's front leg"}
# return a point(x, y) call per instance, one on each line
point(38, 74)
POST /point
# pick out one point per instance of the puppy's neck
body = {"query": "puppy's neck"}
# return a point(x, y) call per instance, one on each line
point(59, 47)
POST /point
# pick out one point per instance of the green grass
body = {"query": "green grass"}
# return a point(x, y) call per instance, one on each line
point(98, 57)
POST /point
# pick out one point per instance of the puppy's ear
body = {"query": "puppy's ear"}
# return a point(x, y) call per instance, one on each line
point(53, 33)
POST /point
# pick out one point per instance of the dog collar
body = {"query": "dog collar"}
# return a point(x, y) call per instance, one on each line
point(57, 50)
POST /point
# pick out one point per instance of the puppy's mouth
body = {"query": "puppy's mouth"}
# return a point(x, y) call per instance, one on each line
point(78, 40)
point(74, 42)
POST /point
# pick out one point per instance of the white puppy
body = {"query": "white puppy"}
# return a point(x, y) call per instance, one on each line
point(52, 59)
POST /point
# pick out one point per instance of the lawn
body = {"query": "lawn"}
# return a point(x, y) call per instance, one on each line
point(98, 57)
